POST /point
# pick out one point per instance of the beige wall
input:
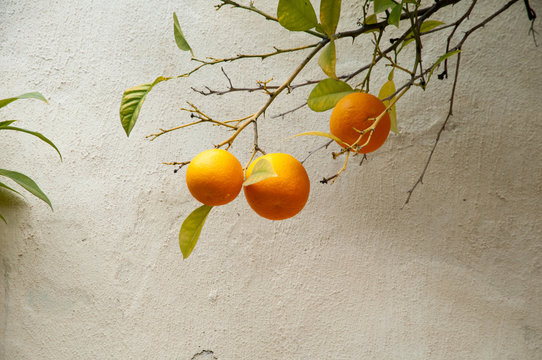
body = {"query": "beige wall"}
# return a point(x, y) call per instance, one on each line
point(457, 274)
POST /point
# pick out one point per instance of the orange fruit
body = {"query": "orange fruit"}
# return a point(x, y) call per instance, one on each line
point(353, 112)
point(214, 177)
point(283, 196)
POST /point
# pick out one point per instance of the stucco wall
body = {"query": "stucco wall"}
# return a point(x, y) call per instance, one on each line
point(457, 274)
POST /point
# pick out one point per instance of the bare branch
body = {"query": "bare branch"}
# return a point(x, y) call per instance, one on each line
point(227, 77)
point(483, 23)
point(454, 85)
point(286, 84)
point(213, 61)
point(334, 177)
point(289, 111)
point(451, 35)
point(256, 148)
point(363, 158)
point(450, 113)
point(324, 146)
point(262, 85)
point(194, 113)
point(532, 16)
point(179, 164)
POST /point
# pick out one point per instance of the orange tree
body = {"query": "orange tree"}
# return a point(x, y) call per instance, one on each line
point(359, 124)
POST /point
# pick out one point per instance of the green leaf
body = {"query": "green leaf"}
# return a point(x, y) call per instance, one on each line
point(382, 5)
point(36, 134)
point(4, 124)
point(328, 60)
point(27, 183)
point(387, 90)
point(179, 37)
point(429, 25)
point(262, 170)
point(296, 15)
point(371, 19)
point(426, 26)
point(441, 59)
point(30, 95)
point(131, 103)
point(191, 229)
point(1, 217)
point(395, 15)
point(319, 28)
point(327, 93)
point(392, 72)
point(323, 134)
point(7, 187)
point(330, 13)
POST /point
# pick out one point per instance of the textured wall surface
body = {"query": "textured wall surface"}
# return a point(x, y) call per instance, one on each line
point(457, 274)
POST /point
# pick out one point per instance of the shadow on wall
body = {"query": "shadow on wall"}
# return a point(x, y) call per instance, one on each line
point(14, 203)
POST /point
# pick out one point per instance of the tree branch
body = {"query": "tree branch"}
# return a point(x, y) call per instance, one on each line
point(265, 15)
point(274, 95)
point(454, 86)
point(450, 113)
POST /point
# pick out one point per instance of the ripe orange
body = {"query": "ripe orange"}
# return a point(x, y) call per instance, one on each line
point(283, 196)
point(214, 177)
point(353, 112)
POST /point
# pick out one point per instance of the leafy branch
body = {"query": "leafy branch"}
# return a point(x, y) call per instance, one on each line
point(377, 17)
point(21, 179)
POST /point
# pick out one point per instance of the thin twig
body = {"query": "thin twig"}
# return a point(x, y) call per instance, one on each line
point(366, 81)
point(262, 85)
point(180, 164)
point(152, 137)
point(214, 61)
point(334, 177)
point(484, 22)
point(256, 148)
point(195, 113)
point(415, 25)
point(227, 77)
point(323, 146)
point(289, 111)
point(363, 158)
point(456, 25)
point(450, 113)
point(531, 14)
point(177, 163)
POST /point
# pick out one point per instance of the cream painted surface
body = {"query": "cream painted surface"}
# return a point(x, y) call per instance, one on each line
point(457, 274)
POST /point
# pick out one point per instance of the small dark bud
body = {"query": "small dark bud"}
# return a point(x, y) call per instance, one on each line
point(442, 75)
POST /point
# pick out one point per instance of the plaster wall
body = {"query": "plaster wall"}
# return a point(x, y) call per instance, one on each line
point(456, 274)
